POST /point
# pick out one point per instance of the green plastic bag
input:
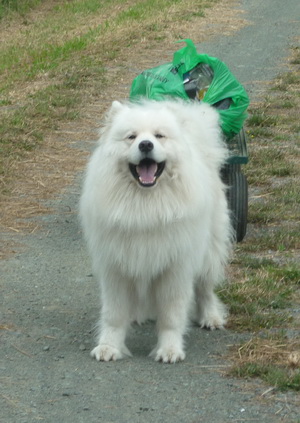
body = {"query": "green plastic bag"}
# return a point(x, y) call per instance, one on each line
point(176, 79)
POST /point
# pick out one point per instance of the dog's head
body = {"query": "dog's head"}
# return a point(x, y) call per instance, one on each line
point(144, 138)
point(156, 161)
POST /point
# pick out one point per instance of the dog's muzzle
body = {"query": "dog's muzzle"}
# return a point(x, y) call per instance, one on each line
point(147, 171)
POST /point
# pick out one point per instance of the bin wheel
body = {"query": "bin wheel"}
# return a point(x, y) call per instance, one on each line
point(237, 195)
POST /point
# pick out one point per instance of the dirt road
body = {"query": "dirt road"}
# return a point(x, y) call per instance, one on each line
point(49, 304)
point(259, 51)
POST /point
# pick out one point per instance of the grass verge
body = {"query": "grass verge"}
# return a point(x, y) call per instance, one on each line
point(275, 359)
point(264, 294)
point(54, 58)
point(9, 7)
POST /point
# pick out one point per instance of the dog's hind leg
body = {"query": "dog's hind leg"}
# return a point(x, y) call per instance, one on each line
point(210, 311)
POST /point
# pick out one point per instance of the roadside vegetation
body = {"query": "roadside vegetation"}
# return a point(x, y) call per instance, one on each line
point(8, 7)
point(59, 57)
point(264, 295)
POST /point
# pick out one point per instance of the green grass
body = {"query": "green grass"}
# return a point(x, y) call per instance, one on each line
point(258, 298)
point(27, 63)
point(83, 7)
point(261, 119)
point(280, 378)
point(266, 275)
point(269, 160)
point(19, 6)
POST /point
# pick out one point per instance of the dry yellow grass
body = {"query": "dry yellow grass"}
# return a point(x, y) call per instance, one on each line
point(280, 352)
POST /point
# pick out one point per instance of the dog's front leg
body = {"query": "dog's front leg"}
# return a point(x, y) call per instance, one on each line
point(174, 293)
point(114, 322)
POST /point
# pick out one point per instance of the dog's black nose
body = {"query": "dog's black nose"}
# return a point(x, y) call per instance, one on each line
point(146, 146)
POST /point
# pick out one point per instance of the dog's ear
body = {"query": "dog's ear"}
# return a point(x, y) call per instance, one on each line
point(115, 107)
point(109, 117)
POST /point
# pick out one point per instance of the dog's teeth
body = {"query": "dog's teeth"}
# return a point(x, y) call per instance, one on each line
point(146, 183)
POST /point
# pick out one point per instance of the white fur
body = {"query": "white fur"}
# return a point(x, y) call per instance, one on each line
point(157, 251)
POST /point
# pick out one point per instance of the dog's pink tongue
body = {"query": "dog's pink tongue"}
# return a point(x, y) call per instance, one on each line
point(147, 172)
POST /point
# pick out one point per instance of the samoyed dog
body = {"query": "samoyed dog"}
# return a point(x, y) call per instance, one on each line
point(156, 221)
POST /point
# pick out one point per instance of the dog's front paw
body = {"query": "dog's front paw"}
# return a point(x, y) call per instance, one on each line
point(104, 352)
point(169, 354)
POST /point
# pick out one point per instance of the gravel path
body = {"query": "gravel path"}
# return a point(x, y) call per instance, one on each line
point(50, 304)
point(259, 51)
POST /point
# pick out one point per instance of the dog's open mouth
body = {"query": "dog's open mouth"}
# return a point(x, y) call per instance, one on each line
point(147, 171)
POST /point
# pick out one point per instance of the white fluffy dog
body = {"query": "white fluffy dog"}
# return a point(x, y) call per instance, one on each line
point(155, 217)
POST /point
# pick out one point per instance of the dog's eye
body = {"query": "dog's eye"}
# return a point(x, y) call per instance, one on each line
point(158, 135)
point(131, 137)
